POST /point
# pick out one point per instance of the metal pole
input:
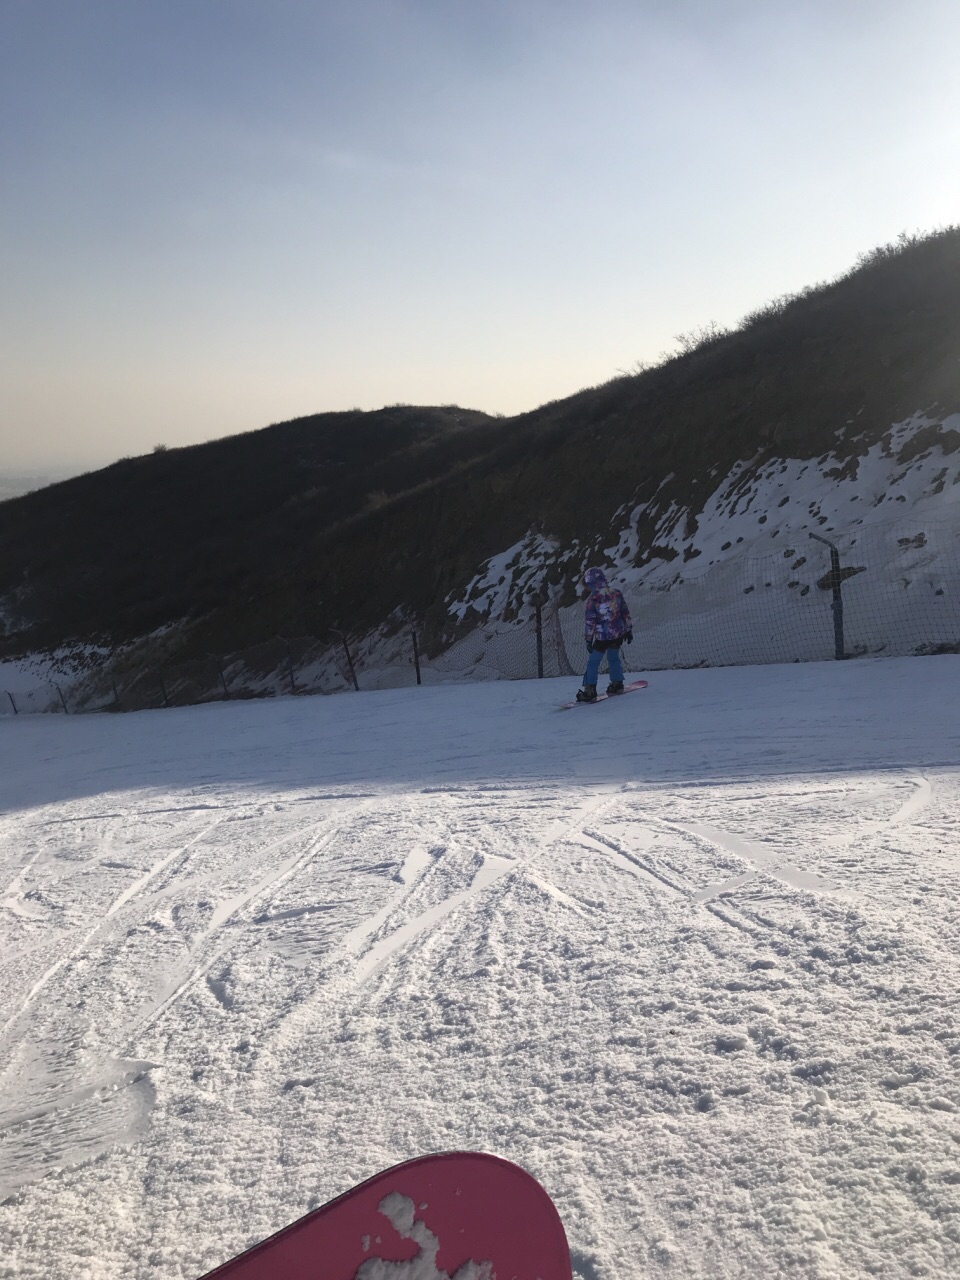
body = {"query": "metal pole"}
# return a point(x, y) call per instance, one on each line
point(416, 655)
point(116, 694)
point(12, 703)
point(539, 608)
point(293, 681)
point(286, 645)
point(223, 678)
point(837, 602)
point(346, 650)
point(163, 687)
point(63, 701)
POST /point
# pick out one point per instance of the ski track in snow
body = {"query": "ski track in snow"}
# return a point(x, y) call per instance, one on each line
point(489, 872)
point(87, 940)
point(708, 1004)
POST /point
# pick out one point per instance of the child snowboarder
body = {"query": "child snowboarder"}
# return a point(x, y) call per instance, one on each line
point(607, 624)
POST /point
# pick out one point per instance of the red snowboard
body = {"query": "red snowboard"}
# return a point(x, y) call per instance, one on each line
point(604, 697)
point(461, 1215)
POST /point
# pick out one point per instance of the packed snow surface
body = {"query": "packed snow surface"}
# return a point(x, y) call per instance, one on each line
point(691, 957)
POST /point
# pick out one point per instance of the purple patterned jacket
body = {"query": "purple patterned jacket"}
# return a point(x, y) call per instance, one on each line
point(608, 618)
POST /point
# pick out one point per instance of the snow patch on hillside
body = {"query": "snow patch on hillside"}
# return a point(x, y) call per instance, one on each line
point(755, 506)
point(507, 581)
point(742, 579)
point(752, 513)
point(39, 671)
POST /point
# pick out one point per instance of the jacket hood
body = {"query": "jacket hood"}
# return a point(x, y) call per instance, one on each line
point(595, 579)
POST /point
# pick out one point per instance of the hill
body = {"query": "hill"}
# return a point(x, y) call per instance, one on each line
point(346, 520)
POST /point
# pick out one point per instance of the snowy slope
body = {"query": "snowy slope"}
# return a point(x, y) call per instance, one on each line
point(691, 958)
point(912, 472)
point(739, 577)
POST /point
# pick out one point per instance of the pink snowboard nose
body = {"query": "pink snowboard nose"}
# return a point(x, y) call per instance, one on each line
point(461, 1215)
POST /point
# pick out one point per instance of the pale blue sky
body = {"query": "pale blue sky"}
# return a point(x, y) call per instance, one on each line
point(217, 214)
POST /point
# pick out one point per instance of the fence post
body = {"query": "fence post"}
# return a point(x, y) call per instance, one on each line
point(12, 703)
point(565, 666)
point(286, 644)
point(416, 654)
point(293, 681)
point(539, 608)
point(223, 678)
point(63, 701)
point(837, 603)
point(346, 650)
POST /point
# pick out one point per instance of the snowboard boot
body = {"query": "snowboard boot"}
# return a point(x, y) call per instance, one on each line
point(615, 686)
point(587, 694)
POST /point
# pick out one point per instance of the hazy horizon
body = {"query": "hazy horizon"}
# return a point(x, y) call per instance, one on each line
point(215, 219)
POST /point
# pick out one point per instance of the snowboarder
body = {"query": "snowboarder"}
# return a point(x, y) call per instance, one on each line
point(607, 624)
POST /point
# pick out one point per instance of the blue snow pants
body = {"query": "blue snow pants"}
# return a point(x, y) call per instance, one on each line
point(593, 664)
